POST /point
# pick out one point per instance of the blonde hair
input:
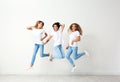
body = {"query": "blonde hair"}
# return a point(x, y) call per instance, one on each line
point(78, 28)
point(36, 25)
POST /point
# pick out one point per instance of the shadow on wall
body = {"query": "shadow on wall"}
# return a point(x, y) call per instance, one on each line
point(91, 44)
point(103, 52)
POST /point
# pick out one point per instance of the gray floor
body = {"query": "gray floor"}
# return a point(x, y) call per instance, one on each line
point(58, 78)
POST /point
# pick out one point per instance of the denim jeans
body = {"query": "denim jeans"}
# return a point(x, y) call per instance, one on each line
point(73, 51)
point(59, 53)
point(42, 54)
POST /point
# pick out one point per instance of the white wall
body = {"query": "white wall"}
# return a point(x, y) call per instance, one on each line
point(99, 20)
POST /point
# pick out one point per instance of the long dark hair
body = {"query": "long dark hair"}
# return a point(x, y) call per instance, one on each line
point(78, 28)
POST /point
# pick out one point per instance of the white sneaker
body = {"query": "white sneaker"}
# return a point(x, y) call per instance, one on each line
point(86, 53)
point(29, 68)
point(50, 58)
point(73, 69)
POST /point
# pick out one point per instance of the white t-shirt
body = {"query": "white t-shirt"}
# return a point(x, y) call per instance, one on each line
point(57, 37)
point(38, 33)
point(72, 36)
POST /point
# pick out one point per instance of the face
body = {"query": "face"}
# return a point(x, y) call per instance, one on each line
point(55, 28)
point(73, 27)
point(40, 25)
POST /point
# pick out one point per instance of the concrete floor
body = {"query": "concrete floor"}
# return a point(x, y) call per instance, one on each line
point(57, 78)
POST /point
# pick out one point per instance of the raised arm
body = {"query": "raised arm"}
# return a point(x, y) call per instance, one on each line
point(62, 26)
point(30, 27)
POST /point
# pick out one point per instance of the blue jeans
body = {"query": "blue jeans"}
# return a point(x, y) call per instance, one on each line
point(37, 46)
point(73, 50)
point(59, 53)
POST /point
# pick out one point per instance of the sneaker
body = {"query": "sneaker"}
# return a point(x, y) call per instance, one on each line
point(86, 53)
point(73, 69)
point(50, 58)
point(29, 68)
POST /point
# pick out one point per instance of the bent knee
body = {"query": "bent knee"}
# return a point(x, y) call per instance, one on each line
point(68, 57)
point(41, 56)
point(74, 58)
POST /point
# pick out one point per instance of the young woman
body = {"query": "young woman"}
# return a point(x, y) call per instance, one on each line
point(57, 37)
point(39, 36)
point(74, 37)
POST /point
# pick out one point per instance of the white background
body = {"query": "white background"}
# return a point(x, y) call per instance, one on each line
point(99, 19)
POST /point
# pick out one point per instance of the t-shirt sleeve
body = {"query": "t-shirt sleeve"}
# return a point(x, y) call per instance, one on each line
point(43, 32)
point(77, 33)
point(51, 34)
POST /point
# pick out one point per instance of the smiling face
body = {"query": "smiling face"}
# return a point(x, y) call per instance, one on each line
point(73, 27)
point(55, 27)
point(40, 25)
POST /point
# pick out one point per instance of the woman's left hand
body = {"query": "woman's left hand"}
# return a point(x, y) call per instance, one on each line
point(41, 39)
point(44, 43)
point(72, 42)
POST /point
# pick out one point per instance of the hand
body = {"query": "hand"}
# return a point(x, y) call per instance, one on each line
point(44, 43)
point(30, 27)
point(41, 39)
point(72, 42)
point(63, 25)
point(67, 47)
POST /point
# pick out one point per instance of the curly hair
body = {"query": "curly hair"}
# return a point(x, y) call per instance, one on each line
point(78, 28)
point(56, 23)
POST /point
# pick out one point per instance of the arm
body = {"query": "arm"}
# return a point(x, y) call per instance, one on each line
point(44, 37)
point(30, 27)
point(76, 40)
point(48, 39)
point(62, 26)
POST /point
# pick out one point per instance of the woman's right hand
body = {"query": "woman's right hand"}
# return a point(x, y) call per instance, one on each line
point(67, 47)
point(44, 43)
point(30, 27)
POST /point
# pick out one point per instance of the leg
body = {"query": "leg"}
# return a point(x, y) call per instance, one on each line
point(42, 54)
point(62, 52)
point(58, 52)
point(75, 54)
point(68, 56)
point(34, 54)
